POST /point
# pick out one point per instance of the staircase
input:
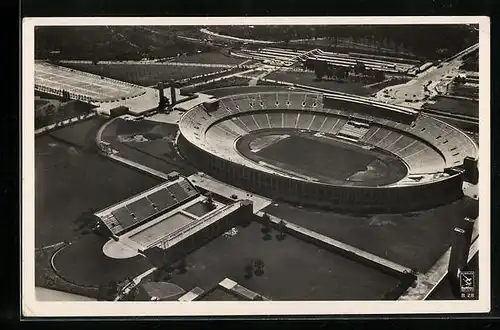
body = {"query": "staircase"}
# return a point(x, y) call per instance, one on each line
point(353, 130)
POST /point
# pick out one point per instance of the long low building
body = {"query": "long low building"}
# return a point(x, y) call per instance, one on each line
point(172, 216)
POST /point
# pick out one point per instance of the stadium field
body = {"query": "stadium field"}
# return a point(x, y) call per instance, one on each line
point(327, 160)
point(310, 156)
point(414, 240)
point(144, 74)
point(67, 168)
point(209, 58)
point(293, 269)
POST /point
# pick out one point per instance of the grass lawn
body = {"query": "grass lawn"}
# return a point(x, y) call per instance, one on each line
point(46, 277)
point(229, 82)
point(455, 106)
point(309, 79)
point(210, 58)
point(83, 263)
point(67, 110)
point(143, 74)
point(293, 269)
point(71, 179)
point(414, 240)
point(158, 152)
point(226, 91)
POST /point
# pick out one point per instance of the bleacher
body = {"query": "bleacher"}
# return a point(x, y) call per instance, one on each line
point(304, 120)
point(136, 210)
point(426, 144)
point(354, 130)
point(262, 120)
point(276, 119)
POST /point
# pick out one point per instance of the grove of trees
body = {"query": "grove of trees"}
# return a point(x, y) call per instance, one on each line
point(423, 41)
point(340, 73)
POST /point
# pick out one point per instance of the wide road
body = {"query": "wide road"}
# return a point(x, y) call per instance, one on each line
point(427, 84)
point(222, 36)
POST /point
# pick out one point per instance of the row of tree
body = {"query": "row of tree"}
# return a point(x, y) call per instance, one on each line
point(428, 41)
point(101, 43)
point(324, 69)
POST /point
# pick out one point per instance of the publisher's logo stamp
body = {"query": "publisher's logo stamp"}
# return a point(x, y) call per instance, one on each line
point(467, 285)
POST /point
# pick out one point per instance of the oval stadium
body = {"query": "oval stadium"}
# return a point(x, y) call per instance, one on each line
point(355, 154)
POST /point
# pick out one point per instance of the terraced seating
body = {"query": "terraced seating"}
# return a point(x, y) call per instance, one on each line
point(304, 120)
point(242, 104)
point(391, 138)
point(229, 106)
point(425, 160)
point(305, 111)
point(336, 126)
point(353, 130)
point(401, 142)
point(290, 119)
point(262, 120)
point(376, 136)
point(250, 122)
point(232, 127)
point(276, 119)
point(317, 121)
point(216, 136)
point(238, 122)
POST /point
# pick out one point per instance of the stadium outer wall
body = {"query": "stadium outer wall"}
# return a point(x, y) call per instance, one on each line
point(349, 199)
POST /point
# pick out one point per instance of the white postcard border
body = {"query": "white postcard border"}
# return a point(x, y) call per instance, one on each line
point(32, 307)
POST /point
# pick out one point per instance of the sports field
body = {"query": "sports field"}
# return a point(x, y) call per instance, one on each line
point(293, 269)
point(327, 160)
point(210, 58)
point(414, 240)
point(309, 79)
point(144, 74)
point(314, 157)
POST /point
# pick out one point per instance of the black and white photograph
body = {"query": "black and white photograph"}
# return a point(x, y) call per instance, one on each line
point(250, 166)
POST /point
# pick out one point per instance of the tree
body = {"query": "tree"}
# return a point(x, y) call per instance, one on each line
point(182, 266)
point(87, 222)
point(281, 228)
point(266, 224)
point(379, 76)
point(359, 68)
point(320, 69)
point(341, 73)
point(107, 291)
point(248, 270)
point(259, 267)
